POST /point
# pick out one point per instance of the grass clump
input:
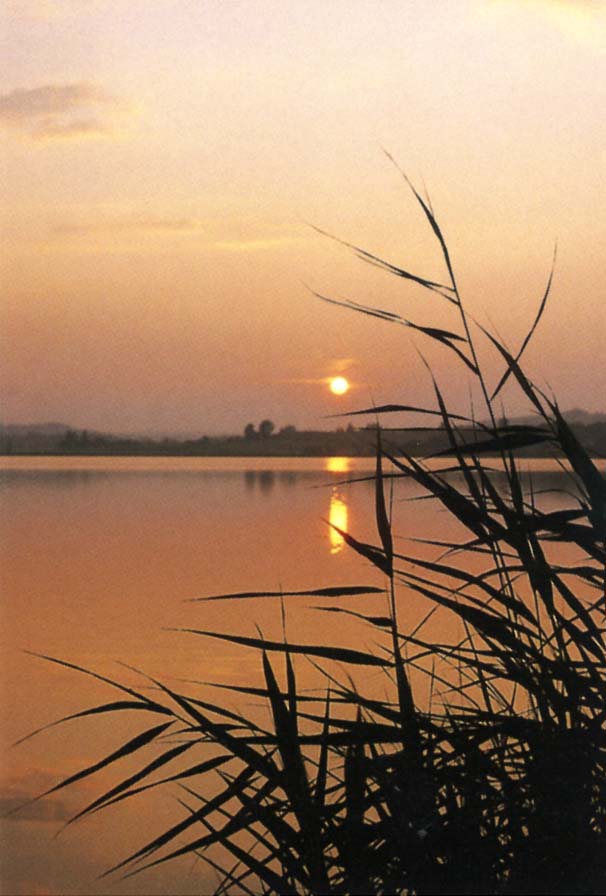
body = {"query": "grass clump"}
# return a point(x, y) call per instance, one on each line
point(496, 783)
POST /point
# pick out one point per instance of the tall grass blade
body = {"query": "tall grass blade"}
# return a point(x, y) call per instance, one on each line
point(530, 333)
point(136, 743)
point(338, 654)
point(338, 591)
point(383, 525)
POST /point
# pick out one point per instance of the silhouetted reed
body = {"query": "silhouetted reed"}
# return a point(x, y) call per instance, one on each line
point(494, 785)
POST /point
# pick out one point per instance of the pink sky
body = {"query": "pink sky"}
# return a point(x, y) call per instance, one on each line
point(161, 163)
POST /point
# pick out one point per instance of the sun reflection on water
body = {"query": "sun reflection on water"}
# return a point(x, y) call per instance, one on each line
point(337, 516)
point(338, 464)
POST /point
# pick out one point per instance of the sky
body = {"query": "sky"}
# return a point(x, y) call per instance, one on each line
point(165, 164)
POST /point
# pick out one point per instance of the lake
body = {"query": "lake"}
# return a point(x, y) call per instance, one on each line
point(101, 558)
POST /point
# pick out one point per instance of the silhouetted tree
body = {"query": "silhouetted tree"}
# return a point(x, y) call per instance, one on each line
point(249, 431)
point(287, 430)
point(266, 427)
point(69, 440)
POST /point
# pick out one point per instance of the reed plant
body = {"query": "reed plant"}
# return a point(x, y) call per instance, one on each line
point(494, 785)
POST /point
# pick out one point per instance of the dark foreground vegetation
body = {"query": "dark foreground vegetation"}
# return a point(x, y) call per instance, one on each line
point(495, 782)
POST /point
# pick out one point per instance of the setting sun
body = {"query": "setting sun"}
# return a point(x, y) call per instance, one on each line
point(339, 385)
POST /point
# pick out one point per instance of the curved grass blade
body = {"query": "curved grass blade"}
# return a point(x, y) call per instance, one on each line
point(445, 337)
point(519, 374)
point(116, 706)
point(390, 268)
point(157, 707)
point(210, 806)
point(132, 779)
point(339, 654)
point(509, 441)
point(322, 773)
point(399, 409)
point(199, 769)
point(238, 822)
point(136, 743)
point(433, 224)
point(379, 621)
point(353, 843)
point(370, 552)
point(529, 335)
point(586, 470)
point(383, 525)
point(336, 591)
point(295, 781)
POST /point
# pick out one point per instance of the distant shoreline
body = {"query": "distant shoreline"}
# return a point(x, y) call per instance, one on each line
point(243, 455)
point(350, 442)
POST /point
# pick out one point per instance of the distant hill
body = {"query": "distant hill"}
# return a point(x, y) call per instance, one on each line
point(586, 418)
point(575, 416)
point(23, 429)
point(32, 438)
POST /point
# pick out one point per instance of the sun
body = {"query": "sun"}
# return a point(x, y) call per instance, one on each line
point(339, 385)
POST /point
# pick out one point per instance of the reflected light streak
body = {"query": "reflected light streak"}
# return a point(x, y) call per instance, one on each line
point(338, 465)
point(337, 516)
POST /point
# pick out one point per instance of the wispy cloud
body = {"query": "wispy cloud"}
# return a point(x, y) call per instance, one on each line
point(257, 245)
point(128, 224)
point(20, 799)
point(17, 806)
point(582, 6)
point(334, 367)
point(16, 799)
point(112, 225)
point(580, 20)
point(60, 111)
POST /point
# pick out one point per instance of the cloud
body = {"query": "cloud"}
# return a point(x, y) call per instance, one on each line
point(138, 224)
point(580, 20)
point(49, 810)
point(259, 245)
point(18, 801)
point(60, 111)
point(335, 367)
point(582, 6)
point(587, 5)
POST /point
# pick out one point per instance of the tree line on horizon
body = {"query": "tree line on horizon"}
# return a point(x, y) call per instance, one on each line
point(263, 439)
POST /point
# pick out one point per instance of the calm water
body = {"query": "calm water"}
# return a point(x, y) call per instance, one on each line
point(99, 558)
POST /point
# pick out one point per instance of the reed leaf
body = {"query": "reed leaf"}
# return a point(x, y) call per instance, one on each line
point(370, 552)
point(335, 591)
point(136, 743)
point(338, 654)
point(383, 525)
point(530, 333)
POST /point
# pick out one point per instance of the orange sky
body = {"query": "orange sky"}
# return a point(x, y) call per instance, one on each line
point(161, 160)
